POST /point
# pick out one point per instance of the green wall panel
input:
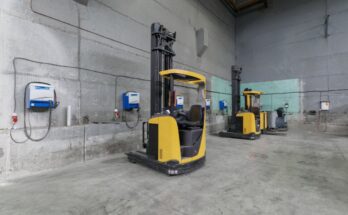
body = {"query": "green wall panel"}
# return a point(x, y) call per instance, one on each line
point(224, 88)
point(272, 102)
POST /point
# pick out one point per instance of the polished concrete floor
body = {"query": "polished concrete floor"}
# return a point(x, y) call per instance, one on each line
point(301, 173)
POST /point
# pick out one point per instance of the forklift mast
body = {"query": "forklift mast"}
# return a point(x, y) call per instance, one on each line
point(241, 124)
point(236, 72)
point(161, 59)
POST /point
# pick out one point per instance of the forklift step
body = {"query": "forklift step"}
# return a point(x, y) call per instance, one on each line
point(277, 132)
point(169, 168)
point(238, 135)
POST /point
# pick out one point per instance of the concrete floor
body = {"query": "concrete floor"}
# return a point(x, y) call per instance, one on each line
point(297, 174)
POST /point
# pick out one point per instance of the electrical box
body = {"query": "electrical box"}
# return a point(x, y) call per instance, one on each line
point(222, 105)
point(201, 41)
point(40, 96)
point(324, 105)
point(131, 100)
point(179, 102)
point(207, 104)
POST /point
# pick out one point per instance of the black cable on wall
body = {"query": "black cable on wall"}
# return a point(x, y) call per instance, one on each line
point(85, 69)
point(140, 79)
point(124, 76)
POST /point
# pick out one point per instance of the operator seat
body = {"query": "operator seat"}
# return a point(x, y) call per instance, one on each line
point(193, 118)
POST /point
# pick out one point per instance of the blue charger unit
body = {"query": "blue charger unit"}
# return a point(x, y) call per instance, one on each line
point(130, 100)
point(222, 105)
point(207, 103)
point(179, 102)
point(40, 96)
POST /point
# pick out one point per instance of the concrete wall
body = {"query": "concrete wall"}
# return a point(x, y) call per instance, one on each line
point(288, 41)
point(56, 38)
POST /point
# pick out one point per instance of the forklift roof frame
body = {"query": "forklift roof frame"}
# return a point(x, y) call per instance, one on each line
point(252, 92)
point(184, 76)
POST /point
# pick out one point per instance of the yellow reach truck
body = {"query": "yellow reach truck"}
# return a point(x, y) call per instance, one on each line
point(174, 139)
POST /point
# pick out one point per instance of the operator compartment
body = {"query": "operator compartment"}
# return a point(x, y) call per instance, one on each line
point(190, 125)
point(191, 122)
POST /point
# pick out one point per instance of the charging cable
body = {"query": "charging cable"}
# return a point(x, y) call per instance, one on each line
point(26, 112)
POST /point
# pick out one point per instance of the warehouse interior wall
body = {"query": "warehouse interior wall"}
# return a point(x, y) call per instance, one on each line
point(91, 55)
point(303, 46)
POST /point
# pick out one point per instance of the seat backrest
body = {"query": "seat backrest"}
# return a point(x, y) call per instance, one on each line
point(280, 112)
point(196, 113)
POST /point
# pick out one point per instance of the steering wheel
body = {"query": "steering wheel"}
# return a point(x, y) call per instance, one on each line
point(181, 113)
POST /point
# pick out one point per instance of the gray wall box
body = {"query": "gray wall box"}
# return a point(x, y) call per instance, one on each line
point(202, 41)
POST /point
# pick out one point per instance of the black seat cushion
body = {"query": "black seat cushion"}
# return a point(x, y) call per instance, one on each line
point(194, 118)
point(196, 113)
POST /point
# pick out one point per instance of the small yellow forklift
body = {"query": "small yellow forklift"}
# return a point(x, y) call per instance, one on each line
point(174, 139)
point(247, 123)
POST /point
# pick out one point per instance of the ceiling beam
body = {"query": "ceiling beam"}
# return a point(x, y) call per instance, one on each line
point(239, 8)
point(84, 2)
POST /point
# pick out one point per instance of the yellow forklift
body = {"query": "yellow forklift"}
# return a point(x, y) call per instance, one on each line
point(174, 139)
point(247, 123)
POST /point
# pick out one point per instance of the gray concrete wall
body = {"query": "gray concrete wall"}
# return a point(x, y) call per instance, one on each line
point(107, 36)
point(287, 41)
